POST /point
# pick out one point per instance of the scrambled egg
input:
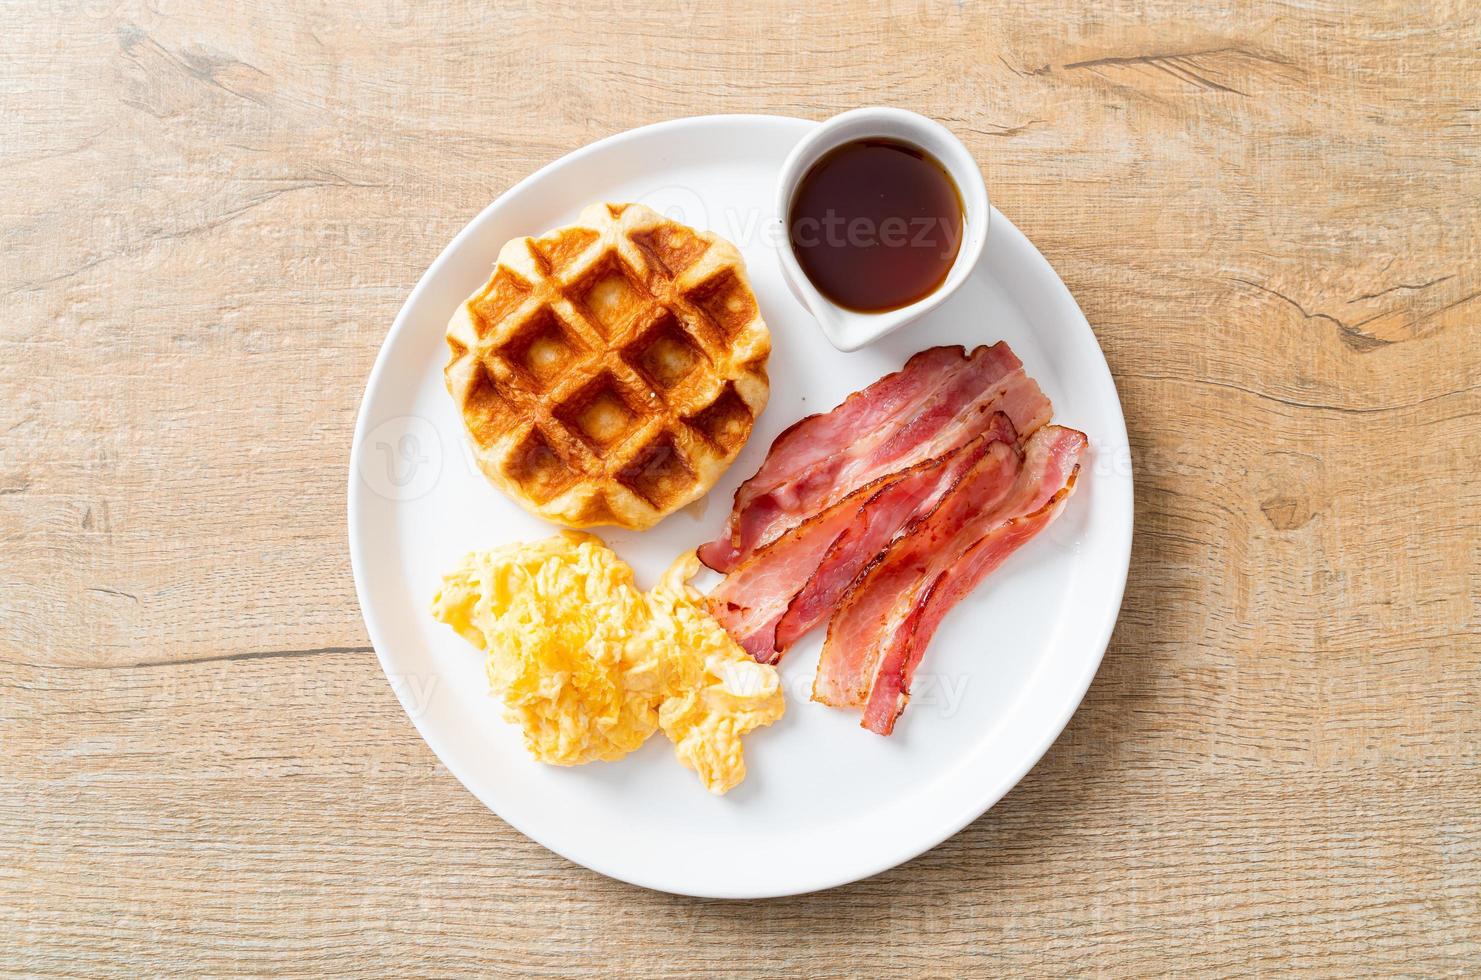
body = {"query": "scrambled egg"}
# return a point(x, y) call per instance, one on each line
point(589, 667)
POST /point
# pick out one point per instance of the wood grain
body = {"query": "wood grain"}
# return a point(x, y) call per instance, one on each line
point(211, 213)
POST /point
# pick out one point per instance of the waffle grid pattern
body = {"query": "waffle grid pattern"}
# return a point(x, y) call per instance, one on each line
point(610, 371)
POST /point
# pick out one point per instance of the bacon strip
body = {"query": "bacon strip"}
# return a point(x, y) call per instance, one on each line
point(891, 690)
point(753, 599)
point(887, 605)
point(810, 442)
point(880, 520)
point(872, 608)
point(936, 403)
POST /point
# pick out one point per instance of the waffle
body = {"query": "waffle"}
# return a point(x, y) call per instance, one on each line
point(610, 370)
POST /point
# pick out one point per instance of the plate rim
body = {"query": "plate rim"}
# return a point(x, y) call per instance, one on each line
point(801, 883)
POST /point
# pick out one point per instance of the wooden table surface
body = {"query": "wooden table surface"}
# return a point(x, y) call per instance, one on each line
point(211, 214)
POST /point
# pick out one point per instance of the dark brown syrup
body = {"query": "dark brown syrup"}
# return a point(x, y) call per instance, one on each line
point(876, 224)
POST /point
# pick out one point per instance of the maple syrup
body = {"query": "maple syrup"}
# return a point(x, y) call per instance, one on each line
point(876, 224)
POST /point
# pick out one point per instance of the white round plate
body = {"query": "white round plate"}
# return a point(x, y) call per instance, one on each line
point(825, 801)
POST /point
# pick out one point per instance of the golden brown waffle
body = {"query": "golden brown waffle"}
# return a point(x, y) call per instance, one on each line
point(610, 370)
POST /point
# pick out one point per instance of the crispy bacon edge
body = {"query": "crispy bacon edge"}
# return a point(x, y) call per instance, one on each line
point(935, 427)
point(856, 546)
point(881, 609)
point(890, 691)
point(860, 621)
point(814, 438)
